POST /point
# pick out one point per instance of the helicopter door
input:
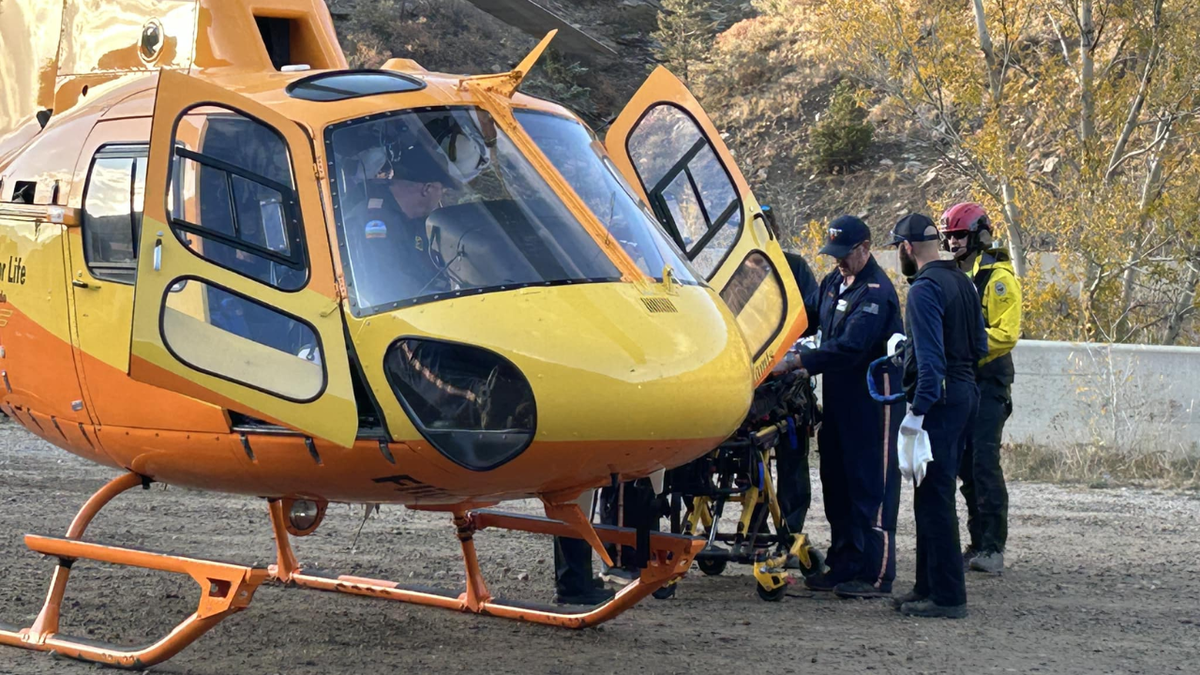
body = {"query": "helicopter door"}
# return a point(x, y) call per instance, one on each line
point(235, 299)
point(672, 154)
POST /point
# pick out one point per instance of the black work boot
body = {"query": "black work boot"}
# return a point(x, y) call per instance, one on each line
point(588, 597)
point(911, 596)
point(860, 589)
point(820, 583)
point(931, 610)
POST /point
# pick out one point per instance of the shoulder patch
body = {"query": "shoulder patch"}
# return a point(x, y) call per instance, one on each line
point(1000, 288)
point(375, 229)
point(872, 285)
point(871, 308)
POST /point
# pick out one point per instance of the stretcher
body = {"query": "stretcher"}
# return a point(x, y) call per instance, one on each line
point(738, 474)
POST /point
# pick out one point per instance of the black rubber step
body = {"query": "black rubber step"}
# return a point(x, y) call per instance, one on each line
point(547, 607)
point(100, 644)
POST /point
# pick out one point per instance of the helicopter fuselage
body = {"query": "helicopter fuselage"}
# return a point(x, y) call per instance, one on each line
point(214, 281)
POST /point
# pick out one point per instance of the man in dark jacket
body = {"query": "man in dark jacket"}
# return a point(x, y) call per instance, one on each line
point(946, 338)
point(857, 312)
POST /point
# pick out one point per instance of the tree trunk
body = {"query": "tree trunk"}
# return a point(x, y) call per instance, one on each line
point(989, 53)
point(1016, 237)
point(1087, 46)
point(1151, 190)
point(1184, 305)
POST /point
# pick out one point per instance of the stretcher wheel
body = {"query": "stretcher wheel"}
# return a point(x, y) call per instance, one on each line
point(771, 595)
point(712, 566)
point(817, 560)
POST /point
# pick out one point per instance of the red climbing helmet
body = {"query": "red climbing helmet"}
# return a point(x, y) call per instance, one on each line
point(966, 218)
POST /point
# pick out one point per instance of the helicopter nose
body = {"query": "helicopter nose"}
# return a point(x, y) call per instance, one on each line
point(584, 380)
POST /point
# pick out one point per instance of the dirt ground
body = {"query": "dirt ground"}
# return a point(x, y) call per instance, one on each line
point(1100, 581)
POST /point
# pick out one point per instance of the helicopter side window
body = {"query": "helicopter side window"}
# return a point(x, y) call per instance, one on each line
point(239, 207)
point(237, 338)
point(688, 186)
point(581, 160)
point(112, 212)
point(439, 202)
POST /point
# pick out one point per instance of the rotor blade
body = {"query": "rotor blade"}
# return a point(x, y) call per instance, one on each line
point(536, 20)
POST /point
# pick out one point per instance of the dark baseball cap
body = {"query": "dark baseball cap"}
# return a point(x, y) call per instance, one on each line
point(914, 227)
point(845, 232)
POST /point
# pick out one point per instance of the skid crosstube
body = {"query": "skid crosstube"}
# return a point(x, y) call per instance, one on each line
point(227, 588)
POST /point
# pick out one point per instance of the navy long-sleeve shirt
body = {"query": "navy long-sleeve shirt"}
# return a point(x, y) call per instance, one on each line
point(810, 290)
point(933, 320)
point(855, 326)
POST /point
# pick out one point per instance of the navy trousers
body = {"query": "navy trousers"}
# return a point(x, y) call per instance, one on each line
point(572, 566)
point(939, 554)
point(794, 488)
point(860, 481)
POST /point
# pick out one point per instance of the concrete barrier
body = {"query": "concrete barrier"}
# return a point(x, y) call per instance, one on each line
point(1130, 398)
point(1124, 397)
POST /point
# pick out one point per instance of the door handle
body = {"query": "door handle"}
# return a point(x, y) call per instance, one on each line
point(83, 284)
point(158, 255)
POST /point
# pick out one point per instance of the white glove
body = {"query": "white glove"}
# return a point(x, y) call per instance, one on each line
point(912, 424)
point(914, 453)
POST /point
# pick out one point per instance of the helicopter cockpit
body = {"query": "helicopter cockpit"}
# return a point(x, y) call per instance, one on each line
point(441, 202)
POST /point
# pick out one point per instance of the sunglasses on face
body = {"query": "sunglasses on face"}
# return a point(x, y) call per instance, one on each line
point(957, 235)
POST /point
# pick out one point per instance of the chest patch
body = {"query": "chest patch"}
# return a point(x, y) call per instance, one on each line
point(375, 229)
point(419, 244)
point(842, 304)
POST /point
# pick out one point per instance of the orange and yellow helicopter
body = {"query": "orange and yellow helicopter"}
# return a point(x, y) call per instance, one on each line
point(230, 262)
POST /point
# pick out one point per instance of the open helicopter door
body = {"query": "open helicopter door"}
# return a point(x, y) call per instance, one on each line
point(672, 154)
point(235, 299)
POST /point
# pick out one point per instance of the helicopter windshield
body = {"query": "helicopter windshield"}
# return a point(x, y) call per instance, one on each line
point(439, 202)
point(581, 159)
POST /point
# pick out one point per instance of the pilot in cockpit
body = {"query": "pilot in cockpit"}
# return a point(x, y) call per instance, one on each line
point(405, 175)
point(386, 231)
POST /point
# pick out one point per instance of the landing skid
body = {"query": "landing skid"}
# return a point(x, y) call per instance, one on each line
point(228, 588)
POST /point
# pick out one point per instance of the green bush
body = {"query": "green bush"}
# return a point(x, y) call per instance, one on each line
point(842, 135)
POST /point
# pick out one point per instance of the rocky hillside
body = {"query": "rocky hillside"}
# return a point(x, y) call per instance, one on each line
point(760, 87)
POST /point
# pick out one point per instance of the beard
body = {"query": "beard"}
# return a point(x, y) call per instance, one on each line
point(908, 264)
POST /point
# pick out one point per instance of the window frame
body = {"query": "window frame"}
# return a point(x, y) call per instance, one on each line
point(110, 271)
point(658, 203)
point(162, 334)
point(339, 225)
point(778, 278)
point(297, 259)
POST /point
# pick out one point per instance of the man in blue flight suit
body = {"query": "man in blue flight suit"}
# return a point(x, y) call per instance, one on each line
point(860, 480)
point(946, 338)
point(385, 234)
